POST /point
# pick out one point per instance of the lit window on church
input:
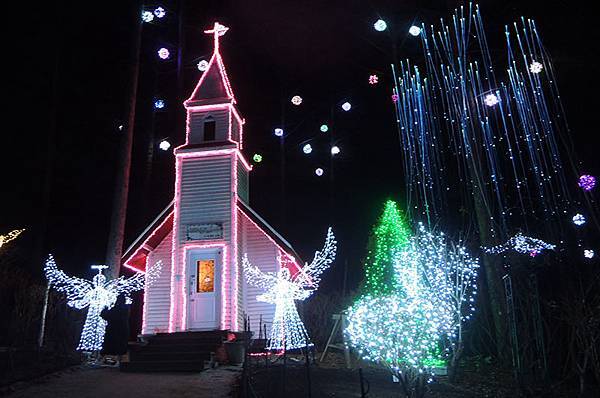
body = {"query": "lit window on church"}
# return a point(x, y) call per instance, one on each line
point(209, 129)
point(206, 276)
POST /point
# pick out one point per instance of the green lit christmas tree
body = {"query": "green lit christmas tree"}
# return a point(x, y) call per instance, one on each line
point(390, 234)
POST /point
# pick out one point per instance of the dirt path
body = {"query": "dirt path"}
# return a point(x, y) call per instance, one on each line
point(109, 382)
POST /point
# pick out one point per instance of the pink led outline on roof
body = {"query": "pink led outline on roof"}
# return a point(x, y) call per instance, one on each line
point(144, 245)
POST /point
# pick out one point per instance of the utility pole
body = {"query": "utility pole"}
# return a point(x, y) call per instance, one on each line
point(116, 235)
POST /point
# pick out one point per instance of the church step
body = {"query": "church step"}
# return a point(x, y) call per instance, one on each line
point(174, 347)
point(144, 356)
point(162, 366)
point(185, 340)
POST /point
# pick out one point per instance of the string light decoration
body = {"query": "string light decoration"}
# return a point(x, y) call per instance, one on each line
point(324, 128)
point(380, 25)
point(163, 53)
point(147, 16)
point(536, 67)
point(588, 253)
point(203, 65)
point(296, 100)
point(491, 100)
point(346, 106)
point(159, 12)
point(283, 289)
point(257, 158)
point(278, 132)
point(579, 219)
point(335, 150)
point(319, 171)
point(164, 145)
point(307, 148)
point(159, 104)
point(97, 294)
point(390, 234)
point(373, 79)
point(12, 235)
point(587, 182)
point(395, 98)
point(521, 244)
point(414, 30)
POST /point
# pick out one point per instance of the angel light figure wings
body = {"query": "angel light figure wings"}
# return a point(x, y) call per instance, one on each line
point(283, 289)
point(97, 294)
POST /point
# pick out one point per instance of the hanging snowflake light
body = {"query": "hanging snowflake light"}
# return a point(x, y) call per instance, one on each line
point(257, 158)
point(380, 25)
point(346, 106)
point(97, 294)
point(536, 67)
point(159, 104)
point(319, 171)
point(163, 53)
point(414, 30)
point(203, 65)
point(521, 244)
point(159, 12)
point(278, 132)
point(587, 182)
point(164, 145)
point(296, 100)
point(373, 79)
point(588, 253)
point(307, 148)
point(324, 128)
point(147, 16)
point(395, 98)
point(578, 219)
point(335, 150)
point(283, 289)
point(491, 100)
point(10, 236)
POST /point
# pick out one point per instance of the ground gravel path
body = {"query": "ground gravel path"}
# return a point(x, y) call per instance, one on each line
point(82, 382)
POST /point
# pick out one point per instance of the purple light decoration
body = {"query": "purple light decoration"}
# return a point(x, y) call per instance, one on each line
point(587, 182)
point(395, 98)
point(163, 53)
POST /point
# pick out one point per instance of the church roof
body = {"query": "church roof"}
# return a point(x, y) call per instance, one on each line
point(135, 256)
point(213, 87)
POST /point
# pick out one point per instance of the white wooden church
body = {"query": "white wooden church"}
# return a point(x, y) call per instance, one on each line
point(203, 234)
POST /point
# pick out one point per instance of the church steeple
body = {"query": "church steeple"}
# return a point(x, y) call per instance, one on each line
point(212, 118)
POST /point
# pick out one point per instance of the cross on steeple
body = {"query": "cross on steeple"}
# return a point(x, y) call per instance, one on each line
point(99, 268)
point(217, 31)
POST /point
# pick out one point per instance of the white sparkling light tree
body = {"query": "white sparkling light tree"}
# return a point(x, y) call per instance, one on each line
point(283, 289)
point(97, 294)
point(449, 276)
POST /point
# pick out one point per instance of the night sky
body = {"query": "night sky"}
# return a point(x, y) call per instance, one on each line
point(323, 51)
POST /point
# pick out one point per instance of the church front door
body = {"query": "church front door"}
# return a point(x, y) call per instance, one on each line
point(204, 271)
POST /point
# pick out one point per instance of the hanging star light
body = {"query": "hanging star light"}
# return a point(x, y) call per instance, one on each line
point(395, 98)
point(10, 236)
point(380, 25)
point(536, 67)
point(147, 16)
point(283, 289)
point(335, 150)
point(296, 100)
point(159, 104)
point(491, 100)
point(319, 171)
point(587, 182)
point(203, 65)
point(346, 106)
point(257, 158)
point(307, 148)
point(97, 294)
point(414, 30)
point(521, 244)
point(588, 253)
point(278, 132)
point(373, 79)
point(163, 53)
point(159, 12)
point(324, 128)
point(578, 219)
point(164, 145)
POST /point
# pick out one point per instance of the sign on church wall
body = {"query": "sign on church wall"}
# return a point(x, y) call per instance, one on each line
point(209, 231)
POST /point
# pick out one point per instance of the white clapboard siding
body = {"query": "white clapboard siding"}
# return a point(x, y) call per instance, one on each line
point(205, 197)
point(196, 125)
point(242, 182)
point(158, 295)
point(235, 128)
point(262, 252)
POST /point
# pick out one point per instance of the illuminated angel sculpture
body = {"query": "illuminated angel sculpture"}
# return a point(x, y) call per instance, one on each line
point(10, 236)
point(97, 294)
point(283, 289)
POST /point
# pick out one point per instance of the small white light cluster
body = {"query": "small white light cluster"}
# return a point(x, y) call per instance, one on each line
point(579, 219)
point(588, 253)
point(335, 150)
point(491, 100)
point(307, 148)
point(97, 294)
point(148, 16)
point(536, 67)
point(521, 244)
point(163, 53)
point(380, 25)
point(296, 100)
point(319, 171)
point(283, 289)
point(414, 30)
point(203, 65)
point(164, 145)
point(278, 132)
point(346, 106)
